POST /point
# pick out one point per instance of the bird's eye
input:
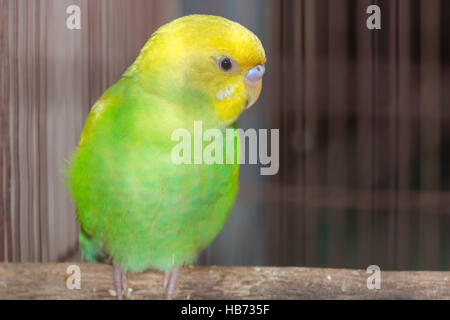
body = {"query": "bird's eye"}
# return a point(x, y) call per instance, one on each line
point(226, 64)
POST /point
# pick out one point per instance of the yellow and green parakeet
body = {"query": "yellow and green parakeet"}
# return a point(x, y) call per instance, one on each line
point(134, 205)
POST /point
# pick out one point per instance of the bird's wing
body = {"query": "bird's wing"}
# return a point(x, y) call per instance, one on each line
point(97, 110)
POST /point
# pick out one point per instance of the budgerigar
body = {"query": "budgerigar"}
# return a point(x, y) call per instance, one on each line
point(134, 204)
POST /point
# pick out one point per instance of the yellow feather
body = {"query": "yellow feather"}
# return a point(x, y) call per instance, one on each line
point(184, 54)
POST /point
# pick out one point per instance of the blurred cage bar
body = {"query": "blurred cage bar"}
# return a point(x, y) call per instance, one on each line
point(363, 114)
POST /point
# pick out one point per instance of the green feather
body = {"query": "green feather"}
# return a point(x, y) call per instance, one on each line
point(133, 203)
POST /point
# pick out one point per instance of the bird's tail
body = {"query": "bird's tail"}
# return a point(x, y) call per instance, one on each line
point(92, 251)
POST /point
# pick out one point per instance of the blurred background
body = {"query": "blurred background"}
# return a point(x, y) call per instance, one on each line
point(364, 121)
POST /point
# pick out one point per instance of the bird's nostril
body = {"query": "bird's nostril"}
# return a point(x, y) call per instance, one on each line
point(255, 74)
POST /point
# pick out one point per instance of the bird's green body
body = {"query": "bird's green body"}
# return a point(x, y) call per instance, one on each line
point(134, 204)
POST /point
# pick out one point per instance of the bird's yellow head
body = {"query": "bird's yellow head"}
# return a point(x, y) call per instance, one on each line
point(206, 59)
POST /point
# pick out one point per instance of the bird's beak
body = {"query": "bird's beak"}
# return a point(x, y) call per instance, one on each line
point(253, 83)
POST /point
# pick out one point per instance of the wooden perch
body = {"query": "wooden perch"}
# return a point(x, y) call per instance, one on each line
point(48, 281)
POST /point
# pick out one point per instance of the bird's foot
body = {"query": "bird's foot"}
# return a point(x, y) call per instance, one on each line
point(170, 282)
point(120, 283)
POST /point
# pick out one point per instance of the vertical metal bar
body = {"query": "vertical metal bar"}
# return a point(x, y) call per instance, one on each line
point(337, 114)
point(407, 109)
point(5, 177)
point(430, 125)
point(364, 135)
point(311, 129)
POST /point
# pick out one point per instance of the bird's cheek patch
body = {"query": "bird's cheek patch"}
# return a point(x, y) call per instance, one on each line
point(225, 93)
